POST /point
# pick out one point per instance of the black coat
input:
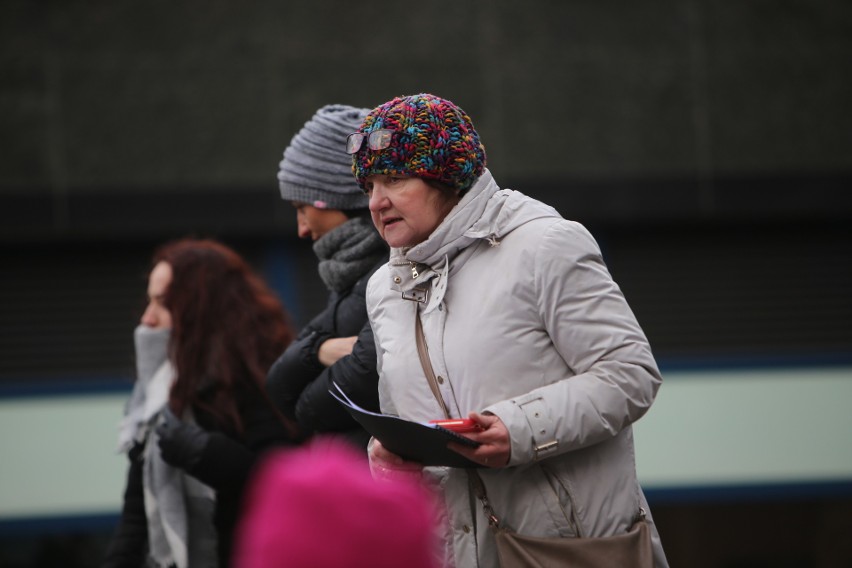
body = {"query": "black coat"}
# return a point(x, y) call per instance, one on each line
point(226, 465)
point(299, 383)
point(129, 545)
point(229, 459)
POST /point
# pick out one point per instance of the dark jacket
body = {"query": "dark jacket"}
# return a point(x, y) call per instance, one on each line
point(226, 465)
point(229, 459)
point(299, 383)
point(128, 547)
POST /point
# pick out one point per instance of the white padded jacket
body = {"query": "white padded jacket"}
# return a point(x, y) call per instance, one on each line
point(523, 320)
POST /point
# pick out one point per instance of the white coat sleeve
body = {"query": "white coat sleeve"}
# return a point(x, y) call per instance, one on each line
point(612, 377)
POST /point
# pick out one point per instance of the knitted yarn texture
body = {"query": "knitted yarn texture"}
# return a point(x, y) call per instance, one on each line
point(316, 168)
point(348, 252)
point(433, 139)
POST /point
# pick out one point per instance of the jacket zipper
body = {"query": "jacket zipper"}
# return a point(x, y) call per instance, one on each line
point(412, 266)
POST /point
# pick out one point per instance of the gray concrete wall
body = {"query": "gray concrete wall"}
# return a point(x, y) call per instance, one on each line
point(107, 106)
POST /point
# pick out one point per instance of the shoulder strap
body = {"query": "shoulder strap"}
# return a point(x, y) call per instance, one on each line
point(423, 352)
point(473, 476)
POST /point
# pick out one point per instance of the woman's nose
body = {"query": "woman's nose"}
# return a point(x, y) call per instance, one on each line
point(149, 316)
point(378, 200)
point(304, 230)
point(302, 226)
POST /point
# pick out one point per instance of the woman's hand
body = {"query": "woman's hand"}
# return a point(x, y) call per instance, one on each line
point(333, 349)
point(495, 447)
point(386, 465)
point(181, 443)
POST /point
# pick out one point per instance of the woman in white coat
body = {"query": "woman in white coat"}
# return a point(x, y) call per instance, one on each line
point(527, 333)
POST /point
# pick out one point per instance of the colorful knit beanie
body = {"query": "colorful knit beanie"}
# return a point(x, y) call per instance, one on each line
point(315, 169)
point(433, 139)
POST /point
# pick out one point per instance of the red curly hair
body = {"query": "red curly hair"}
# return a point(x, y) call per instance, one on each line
point(227, 329)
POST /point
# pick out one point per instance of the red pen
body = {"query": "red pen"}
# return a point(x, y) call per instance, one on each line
point(460, 425)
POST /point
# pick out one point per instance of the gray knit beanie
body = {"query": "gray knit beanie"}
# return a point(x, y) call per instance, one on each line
point(316, 168)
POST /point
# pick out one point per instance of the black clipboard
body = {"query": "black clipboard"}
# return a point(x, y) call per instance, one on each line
point(414, 441)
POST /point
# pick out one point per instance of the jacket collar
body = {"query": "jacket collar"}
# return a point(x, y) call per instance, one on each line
point(486, 212)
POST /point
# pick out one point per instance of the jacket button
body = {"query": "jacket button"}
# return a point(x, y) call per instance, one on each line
point(397, 279)
point(440, 380)
point(466, 529)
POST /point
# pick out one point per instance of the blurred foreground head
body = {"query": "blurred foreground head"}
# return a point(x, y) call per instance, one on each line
point(319, 507)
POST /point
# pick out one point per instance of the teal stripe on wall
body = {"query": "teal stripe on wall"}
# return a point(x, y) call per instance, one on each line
point(731, 428)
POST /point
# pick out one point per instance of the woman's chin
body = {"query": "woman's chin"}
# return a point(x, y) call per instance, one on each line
point(394, 237)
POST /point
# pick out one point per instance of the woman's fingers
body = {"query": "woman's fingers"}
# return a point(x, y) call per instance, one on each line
point(387, 465)
point(495, 445)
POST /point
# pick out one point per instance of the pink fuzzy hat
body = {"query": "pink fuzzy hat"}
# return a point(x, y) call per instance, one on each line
point(319, 507)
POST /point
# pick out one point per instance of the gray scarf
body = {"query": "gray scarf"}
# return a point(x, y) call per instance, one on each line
point(180, 511)
point(179, 508)
point(348, 252)
point(151, 356)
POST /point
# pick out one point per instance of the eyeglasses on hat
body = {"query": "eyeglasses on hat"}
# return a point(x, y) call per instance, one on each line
point(376, 140)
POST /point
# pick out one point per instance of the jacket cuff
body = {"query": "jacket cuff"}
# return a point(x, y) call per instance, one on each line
point(310, 352)
point(532, 432)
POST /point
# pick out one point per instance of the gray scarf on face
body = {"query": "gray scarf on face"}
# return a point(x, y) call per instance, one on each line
point(348, 252)
point(148, 393)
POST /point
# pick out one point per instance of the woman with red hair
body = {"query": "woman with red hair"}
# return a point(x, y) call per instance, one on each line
point(199, 416)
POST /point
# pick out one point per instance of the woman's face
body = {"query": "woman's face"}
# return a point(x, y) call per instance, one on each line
point(406, 210)
point(313, 222)
point(156, 315)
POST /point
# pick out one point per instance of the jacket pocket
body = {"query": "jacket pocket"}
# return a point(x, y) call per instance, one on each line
point(558, 500)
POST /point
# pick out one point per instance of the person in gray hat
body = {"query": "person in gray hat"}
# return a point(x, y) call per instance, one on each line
point(337, 344)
